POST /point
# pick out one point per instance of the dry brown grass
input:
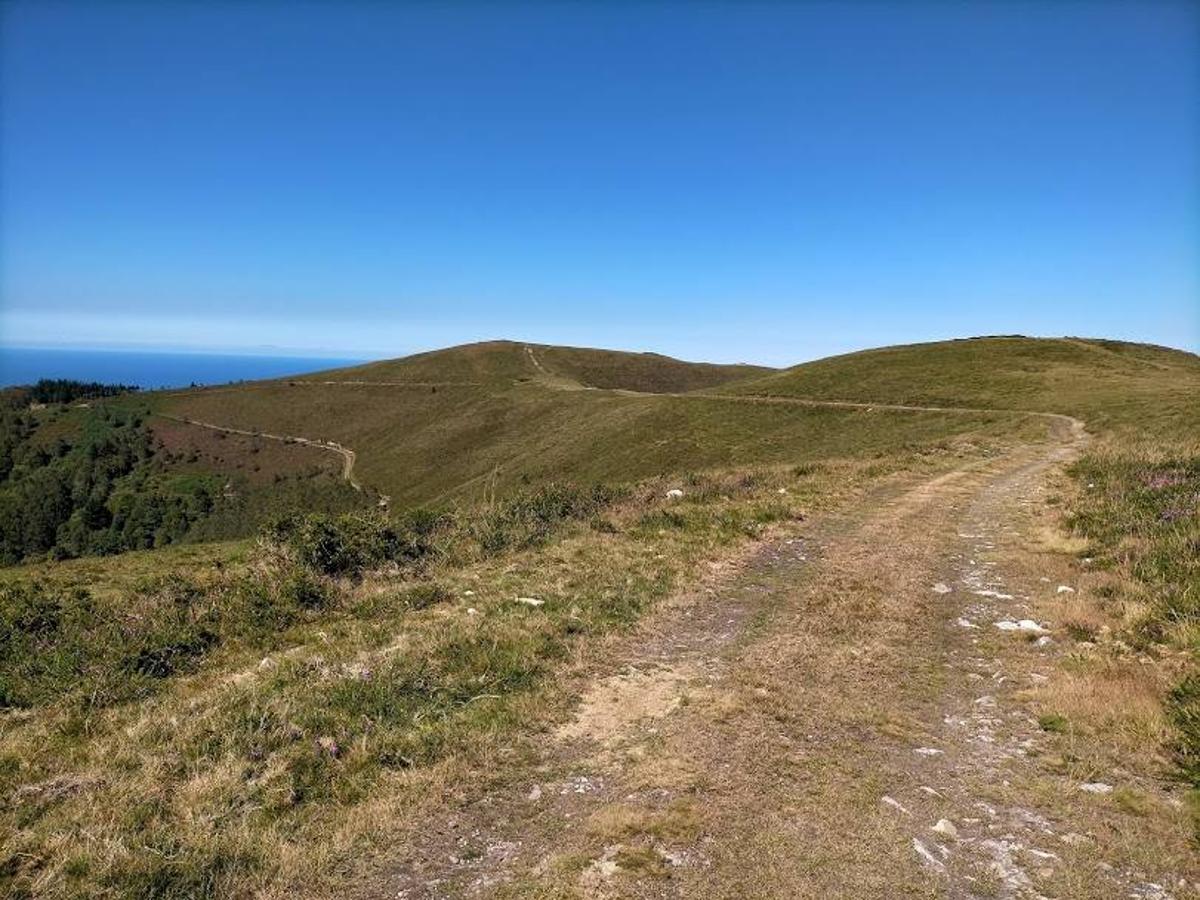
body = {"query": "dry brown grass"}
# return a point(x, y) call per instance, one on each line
point(228, 817)
point(1113, 702)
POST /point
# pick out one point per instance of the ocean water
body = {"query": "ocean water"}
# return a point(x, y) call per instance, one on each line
point(152, 370)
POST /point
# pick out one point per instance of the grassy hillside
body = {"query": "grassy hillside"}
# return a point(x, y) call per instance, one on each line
point(1134, 503)
point(235, 718)
point(499, 364)
point(1110, 384)
point(486, 418)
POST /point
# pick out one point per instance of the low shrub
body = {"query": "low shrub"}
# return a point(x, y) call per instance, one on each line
point(530, 517)
point(348, 545)
point(1143, 519)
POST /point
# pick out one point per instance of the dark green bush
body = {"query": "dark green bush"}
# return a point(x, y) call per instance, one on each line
point(348, 545)
point(530, 517)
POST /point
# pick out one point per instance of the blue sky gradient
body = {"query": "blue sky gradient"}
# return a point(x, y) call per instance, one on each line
point(764, 182)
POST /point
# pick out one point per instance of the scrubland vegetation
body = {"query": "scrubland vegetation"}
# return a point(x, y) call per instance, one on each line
point(226, 719)
point(222, 729)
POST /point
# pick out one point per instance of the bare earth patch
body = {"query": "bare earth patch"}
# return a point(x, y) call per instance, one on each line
point(615, 704)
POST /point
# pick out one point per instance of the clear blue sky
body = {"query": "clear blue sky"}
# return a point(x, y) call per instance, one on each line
point(765, 182)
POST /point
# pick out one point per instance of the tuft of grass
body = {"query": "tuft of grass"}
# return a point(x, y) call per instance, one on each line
point(1054, 723)
point(1183, 707)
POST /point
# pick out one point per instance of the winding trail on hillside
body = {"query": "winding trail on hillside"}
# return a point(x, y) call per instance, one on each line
point(347, 455)
point(1066, 427)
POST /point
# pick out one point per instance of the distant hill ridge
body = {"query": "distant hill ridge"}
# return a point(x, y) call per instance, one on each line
point(503, 362)
point(489, 417)
point(1105, 382)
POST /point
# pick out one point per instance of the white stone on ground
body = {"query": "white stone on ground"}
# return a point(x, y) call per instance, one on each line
point(926, 857)
point(530, 601)
point(946, 827)
point(1027, 625)
point(1096, 787)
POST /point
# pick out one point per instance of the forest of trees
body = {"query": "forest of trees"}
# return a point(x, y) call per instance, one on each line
point(64, 390)
point(88, 489)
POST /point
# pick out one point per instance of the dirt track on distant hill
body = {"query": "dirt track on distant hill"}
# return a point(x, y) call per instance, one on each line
point(838, 716)
point(347, 455)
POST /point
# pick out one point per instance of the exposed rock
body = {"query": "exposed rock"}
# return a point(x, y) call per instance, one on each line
point(1027, 625)
point(946, 827)
point(941, 588)
point(603, 868)
point(1096, 787)
point(926, 857)
point(1064, 589)
point(894, 804)
point(674, 494)
point(530, 601)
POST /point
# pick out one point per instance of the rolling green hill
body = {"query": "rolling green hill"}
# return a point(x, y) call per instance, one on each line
point(498, 364)
point(227, 719)
point(1110, 384)
point(486, 418)
point(481, 420)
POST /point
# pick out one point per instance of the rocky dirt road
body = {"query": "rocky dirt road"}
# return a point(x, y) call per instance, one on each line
point(843, 714)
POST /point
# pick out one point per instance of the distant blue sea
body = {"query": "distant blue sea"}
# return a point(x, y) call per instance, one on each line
point(152, 370)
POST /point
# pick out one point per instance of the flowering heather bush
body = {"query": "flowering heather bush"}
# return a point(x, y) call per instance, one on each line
point(1143, 518)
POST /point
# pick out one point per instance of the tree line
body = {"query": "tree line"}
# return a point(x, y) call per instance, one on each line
point(92, 488)
point(65, 390)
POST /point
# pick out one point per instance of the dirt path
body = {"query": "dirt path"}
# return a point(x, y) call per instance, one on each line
point(839, 716)
point(347, 455)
